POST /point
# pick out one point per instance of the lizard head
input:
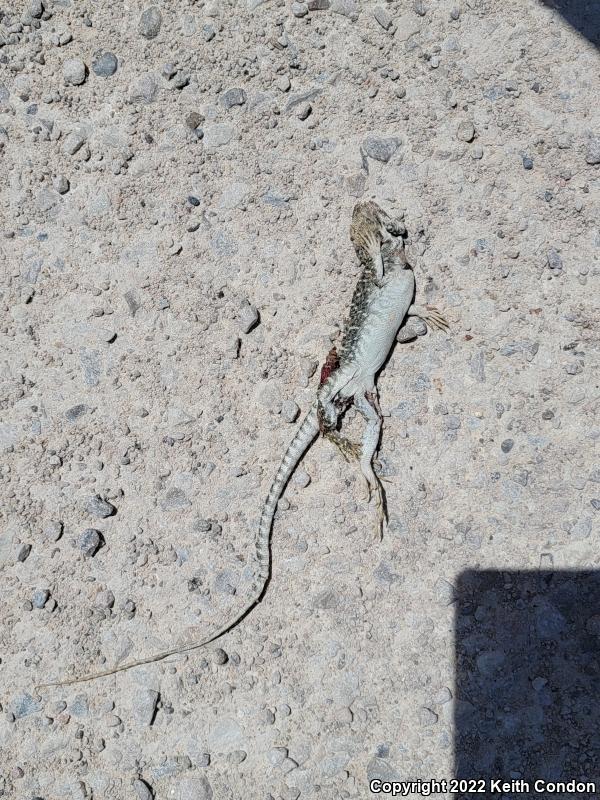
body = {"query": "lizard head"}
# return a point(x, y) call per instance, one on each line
point(366, 230)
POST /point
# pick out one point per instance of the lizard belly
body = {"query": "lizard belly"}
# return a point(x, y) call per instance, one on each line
point(386, 313)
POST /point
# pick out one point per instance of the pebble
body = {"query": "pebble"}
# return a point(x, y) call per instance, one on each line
point(301, 478)
point(283, 83)
point(289, 411)
point(104, 64)
point(465, 131)
point(90, 541)
point(23, 552)
point(592, 153)
point(218, 135)
point(555, 262)
point(383, 17)
point(220, 657)
point(304, 111)
point(299, 9)
point(455, 13)
point(233, 97)
point(144, 706)
point(507, 445)
point(419, 8)
point(595, 504)
point(527, 162)
point(104, 599)
point(40, 598)
point(196, 788)
point(53, 531)
point(248, 316)
point(98, 507)
point(74, 71)
point(150, 23)
point(143, 89)
point(142, 789)
point(73, 142)
point(75, 412)
point(381, 149)
point(61, 184)
point(445, 592)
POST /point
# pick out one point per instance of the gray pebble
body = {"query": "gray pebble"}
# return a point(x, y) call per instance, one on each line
point(61, 184)
point(196, 788)
point(465, 131)
point(455, 13)
point(100, 508)
point(90, 541)
point(248, 316)
point(203, 760)
point(23, 552)
point(75, 412)
point(232, 97)
point(36, 9)
point(592, 154)
point(143, 89)
point(104, 64)
point(419, 8)
point(74, 71)
point(142, 789)
point(220, 657)
point(40, 598)
point(381, 149)
point(23, 705)
point(289, 411)
point(383, 17)
point(595, 504)
point(150, 23)
point(427, 717)
point(283, 83)
point(299, 9)
point(527, 162)
point(53, 531)
point(208, 32)
point(72, 143)
point(507, 445)
point(304, 111)
point(104, 599)
point(445, 592)
point(144, 706)
point(555, 262)
point(301, 478)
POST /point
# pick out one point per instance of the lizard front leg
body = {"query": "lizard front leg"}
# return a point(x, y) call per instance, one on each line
point(430, 314)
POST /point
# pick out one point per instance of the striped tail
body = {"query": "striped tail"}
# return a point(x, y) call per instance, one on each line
point(307, 432)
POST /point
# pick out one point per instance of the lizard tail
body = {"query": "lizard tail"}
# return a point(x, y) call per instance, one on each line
point(307, 432)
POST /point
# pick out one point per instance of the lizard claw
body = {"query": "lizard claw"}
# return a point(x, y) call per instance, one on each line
point(436, 319)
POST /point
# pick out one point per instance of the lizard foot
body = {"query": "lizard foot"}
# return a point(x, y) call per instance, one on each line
point(435, 319)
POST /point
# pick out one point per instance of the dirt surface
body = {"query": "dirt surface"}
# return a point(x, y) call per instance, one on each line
point(177, 185)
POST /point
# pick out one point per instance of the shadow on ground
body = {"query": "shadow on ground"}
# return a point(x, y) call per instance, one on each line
point(528, 677)
point(583, 15)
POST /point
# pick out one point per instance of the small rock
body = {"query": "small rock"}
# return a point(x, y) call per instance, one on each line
point(218, 135)
point(283, 83)
point(75, 412)
point(104, 64)
point(90, 541)
point(347, 8)
point(248, 316)
point(142, 789)
point(74, 71)
point(61, 184)
point(304, 111)
point(196, 788)
point(150, 23)
point(455, 13)
point(419, 8)
point(507, 445)
point(143, 89)
point(36, 9)
point(299, 9)
point(193, 120)
point(23, 552)
point(465, 131)
point(220, 657)
point(383, 17)
point(381, 149)
point(73, 142)
point(555, 262)
point(104, 599)
point(208, 32)
point(427, 717)
point(592, 154)
point(595, 504)
point(144, 706)
point(301, 478)
point(100, 508)
point(445, 592)
point(318, 5)
point(290, 411)
point(527, 162)
point(40, 598)
point(233, 97)
point(53, 531)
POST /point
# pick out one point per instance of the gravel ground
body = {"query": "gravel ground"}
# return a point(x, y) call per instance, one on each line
point(177, 188)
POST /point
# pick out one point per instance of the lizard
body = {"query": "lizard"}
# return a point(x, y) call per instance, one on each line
point(381, 302)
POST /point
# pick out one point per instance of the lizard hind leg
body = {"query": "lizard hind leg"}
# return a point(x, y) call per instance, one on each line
point(368, 405)
point(430, 314)
point(349, 449)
